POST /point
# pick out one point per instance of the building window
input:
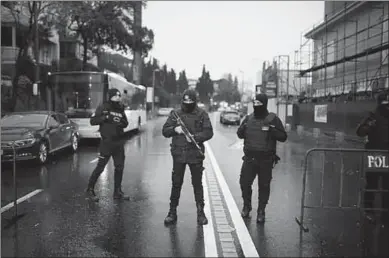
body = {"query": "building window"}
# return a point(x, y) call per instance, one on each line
point(331, 58)
point(6, 36)
point(67, 49)
point(320, 61)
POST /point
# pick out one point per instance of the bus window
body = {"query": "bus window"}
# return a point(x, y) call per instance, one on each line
point(77, 94)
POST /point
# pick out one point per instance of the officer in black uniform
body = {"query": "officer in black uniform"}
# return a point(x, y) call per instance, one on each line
point(184, 152)
point(376, 127)
point(112, 120)
point(260, 130)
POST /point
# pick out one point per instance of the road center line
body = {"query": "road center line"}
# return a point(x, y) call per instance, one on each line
point(210, 246)
point(244, 237)
point(21, 199)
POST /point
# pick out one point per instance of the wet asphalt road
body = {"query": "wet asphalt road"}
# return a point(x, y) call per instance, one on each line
point(60, 222)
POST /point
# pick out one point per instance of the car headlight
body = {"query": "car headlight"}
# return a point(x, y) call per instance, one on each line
point(24, 142)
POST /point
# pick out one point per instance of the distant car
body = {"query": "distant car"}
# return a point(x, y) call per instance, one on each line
point(164, 111)
point(230, 117)
point(36, 134)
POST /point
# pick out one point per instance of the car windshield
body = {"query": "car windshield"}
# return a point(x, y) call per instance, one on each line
point(24, 120)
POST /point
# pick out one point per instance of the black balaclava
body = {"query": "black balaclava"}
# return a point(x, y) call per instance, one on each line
point(189, 99)
point(112, 92)
point(260, 106)
point(383, 104)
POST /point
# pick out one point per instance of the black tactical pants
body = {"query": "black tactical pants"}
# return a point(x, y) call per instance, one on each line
point(108, 148)
point(252, 167)
point(178, 179)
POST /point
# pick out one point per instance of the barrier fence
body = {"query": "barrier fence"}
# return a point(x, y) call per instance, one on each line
point(346, 179)
point(12, 146)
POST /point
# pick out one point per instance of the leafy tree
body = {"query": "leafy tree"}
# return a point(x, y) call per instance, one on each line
point(171, 82)
point(205, 86)
point(32, 21)
point(104, 23)
point(228, 90)
point(182, 82)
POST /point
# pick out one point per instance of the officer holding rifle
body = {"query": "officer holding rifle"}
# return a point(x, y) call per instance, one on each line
point(189, 128)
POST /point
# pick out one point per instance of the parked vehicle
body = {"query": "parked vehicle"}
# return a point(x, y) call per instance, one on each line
point(230, 117)
point(36, 134)
point(164, 111)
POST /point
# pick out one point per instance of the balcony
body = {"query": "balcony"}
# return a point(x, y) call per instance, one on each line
point(9, 54)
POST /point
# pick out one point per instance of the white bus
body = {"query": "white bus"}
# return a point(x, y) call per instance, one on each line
point(79, 93)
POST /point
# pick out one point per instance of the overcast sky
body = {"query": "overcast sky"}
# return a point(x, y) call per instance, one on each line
point(227, 36)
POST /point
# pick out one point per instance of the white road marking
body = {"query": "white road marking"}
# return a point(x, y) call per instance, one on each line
point(210, 246)
point(244, 237)
point(94, 160)
point(21, 199)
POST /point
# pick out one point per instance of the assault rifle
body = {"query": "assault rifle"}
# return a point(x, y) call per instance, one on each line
point(186, 131)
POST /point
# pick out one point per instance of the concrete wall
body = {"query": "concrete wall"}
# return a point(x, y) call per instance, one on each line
point(341, 117)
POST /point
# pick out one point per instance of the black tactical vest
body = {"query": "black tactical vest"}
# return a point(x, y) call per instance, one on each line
point(256, 139)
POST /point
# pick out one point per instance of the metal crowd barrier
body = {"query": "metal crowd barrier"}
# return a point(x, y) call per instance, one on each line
point(348, 162)
point(16, 216)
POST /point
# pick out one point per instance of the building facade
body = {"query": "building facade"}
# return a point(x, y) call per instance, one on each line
point(350, 53)
point(12, 40)
point(192, 83)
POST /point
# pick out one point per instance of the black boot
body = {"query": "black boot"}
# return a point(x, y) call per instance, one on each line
point(171, 216)
point(119, 195)
point(201, 218)
point(246, 211)
point(90, 194)
point(261, 215)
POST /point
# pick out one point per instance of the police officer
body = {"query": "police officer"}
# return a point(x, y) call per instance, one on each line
point(376, 127)
point(184, 152)
point(112, 120)
point(260, 130)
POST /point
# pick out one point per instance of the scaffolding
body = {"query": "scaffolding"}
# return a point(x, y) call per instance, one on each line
point(346, 54)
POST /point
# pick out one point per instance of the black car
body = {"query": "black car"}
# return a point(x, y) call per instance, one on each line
point(36, 134)
point(230, 117)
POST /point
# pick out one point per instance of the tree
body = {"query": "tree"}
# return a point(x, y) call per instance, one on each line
point(205, 86)
point(171, 82)
point(104, 23)
point(236, 95)
point(228, 90)
point(182, 82)
point(32, 21)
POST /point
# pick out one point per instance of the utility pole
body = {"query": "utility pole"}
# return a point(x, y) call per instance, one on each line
point(36, 41)
point(137, 67)
point(287, 89)
point(153, 100)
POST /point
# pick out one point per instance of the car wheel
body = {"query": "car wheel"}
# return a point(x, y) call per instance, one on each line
point(74, 143)
point(43, 153)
